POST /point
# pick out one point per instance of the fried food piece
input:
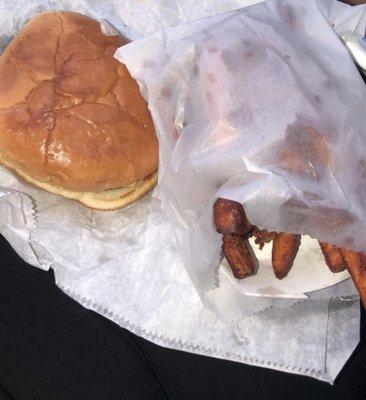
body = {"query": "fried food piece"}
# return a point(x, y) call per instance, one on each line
point(229, 217)
point(356, 265)
point(333, 257)
point(307, 151)
point(284, 250)
point(238, 255)
point(262, 236)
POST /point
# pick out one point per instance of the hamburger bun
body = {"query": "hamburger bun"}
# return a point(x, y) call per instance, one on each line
point(72, 119)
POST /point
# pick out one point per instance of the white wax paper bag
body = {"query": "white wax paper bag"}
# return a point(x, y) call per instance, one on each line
point(261, 105)
point(127, 266)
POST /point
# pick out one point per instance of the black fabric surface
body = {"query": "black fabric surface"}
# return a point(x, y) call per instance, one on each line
point(52, 348)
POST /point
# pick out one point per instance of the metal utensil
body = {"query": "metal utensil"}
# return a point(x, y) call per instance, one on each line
point(356, 45)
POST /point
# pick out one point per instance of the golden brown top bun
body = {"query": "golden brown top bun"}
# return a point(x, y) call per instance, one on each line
point(71, 116)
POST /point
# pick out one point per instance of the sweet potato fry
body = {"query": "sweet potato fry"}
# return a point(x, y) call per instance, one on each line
point(333, 257)
point(262, 236)
point(229, 217)
point(238, 255)
point(306, 152)
point(356, 265)
point(285, 247)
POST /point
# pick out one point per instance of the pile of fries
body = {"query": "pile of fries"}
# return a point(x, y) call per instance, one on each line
point(230, 220)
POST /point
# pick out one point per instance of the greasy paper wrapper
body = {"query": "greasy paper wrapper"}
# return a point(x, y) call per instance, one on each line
point(127, 265)
point(235, 98)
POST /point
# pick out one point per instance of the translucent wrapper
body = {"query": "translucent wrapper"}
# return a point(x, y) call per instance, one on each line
point(261, 105)
point(127, 266)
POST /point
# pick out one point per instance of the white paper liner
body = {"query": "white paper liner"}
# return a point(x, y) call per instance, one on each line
point(154, 297)
point(143, 297)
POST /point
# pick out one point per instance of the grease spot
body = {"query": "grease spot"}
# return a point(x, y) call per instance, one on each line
point(239, 118)
point(327, 84)
point(362, 168)
point(287, 13)
point(148, 64)
point(209, 97)
point(213, 49)
point(166, 92)
point(212, 77)
point(249, 55)
point(230, 60)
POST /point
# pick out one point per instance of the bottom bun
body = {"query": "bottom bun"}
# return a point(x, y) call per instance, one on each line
point(106, 200)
